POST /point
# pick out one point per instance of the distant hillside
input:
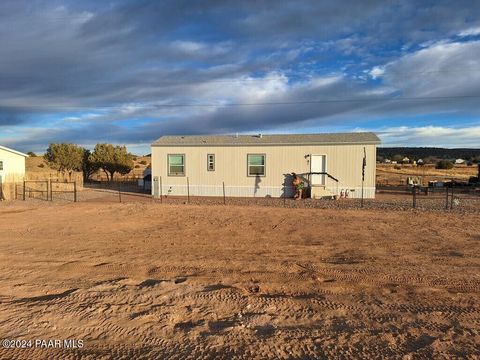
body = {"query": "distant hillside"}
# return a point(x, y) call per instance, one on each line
point(424, 152)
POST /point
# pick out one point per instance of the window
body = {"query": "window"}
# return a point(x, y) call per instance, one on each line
point(256, 164)
point(176, 165)
point(211, 162)
point(1, 165)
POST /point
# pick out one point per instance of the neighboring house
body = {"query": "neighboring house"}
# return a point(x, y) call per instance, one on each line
point(405, 160)
point(459, 161)
point(256, 165)
point(12, 170)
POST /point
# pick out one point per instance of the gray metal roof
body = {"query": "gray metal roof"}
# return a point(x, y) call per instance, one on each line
point(290, 139)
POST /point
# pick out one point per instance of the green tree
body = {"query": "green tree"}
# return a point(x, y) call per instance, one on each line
point(89, 167)
point(397, 157)
point(31, 154)
point(444, 164)
point(112, 159)
point(65, 158)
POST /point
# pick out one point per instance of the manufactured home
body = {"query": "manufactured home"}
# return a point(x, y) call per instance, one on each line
point(12, 170)
point(260, 165)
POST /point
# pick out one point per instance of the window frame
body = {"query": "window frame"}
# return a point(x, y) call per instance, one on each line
point(184, 165)
point(208, 162)
point(264, 165)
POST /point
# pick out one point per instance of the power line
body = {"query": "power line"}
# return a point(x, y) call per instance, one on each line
point(279, 103)
point(240, 80)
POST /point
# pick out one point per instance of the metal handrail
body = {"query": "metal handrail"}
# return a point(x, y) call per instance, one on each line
point(323, 173)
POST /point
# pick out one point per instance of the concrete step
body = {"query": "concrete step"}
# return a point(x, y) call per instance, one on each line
point(319, 191)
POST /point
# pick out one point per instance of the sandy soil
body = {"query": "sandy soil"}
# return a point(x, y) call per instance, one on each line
point(143, 280)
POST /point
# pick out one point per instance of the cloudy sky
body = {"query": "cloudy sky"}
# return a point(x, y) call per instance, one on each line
point(128, 72)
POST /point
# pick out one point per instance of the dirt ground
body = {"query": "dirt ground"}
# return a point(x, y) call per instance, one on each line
point(146, 281)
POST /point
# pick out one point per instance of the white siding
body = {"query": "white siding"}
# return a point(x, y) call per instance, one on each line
point(13, 172)
point(344, 162)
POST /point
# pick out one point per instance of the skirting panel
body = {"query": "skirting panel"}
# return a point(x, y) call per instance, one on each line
point(252, 191)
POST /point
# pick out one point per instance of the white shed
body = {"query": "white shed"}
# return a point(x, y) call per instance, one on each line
point(12, 170)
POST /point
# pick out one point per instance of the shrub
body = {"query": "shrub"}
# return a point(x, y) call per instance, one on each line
point(444, 164)
point(143, 162)
point(397, 167)
point(31, 154)
point(469, 163)
point(41, 165)
point(137, 166)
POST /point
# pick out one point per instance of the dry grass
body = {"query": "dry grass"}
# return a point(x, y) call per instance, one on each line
point(387, 174)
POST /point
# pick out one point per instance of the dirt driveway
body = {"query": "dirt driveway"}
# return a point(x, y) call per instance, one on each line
point(145, 280)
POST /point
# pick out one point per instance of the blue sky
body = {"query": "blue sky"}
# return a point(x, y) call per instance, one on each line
point(128, 72)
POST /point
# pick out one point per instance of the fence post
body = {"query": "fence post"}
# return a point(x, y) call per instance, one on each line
point(188, 191)
point(223, 184)
point(451, 200)
point(161, 194)
point(119, 192)
point(24, 190)
point(285, 195)
point(446, 198)
point(414, 193)
point(75, 191)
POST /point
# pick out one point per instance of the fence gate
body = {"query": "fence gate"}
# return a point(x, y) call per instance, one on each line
point(37, 189)
point(66, 190)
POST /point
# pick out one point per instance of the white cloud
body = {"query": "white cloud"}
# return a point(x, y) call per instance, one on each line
point(470, 32)
point(201, 48)
point(443, 69)
point(436, 136)
point(377, 72)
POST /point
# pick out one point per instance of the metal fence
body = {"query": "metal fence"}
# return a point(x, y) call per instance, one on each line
point(130, 185)
point(446, 198)
point(46, 190)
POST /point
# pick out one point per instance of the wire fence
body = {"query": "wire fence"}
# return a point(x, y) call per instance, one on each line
point(387, 198)
point(445, 198)
point(124, 185)
point(47, 190)
point(433, 197)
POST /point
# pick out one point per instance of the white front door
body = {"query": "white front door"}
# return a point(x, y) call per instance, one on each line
point(318, 164)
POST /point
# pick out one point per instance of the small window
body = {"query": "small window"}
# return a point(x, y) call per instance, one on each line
point(211, 162)
point(1, 165)
point(256, 164)
point(176, 165)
